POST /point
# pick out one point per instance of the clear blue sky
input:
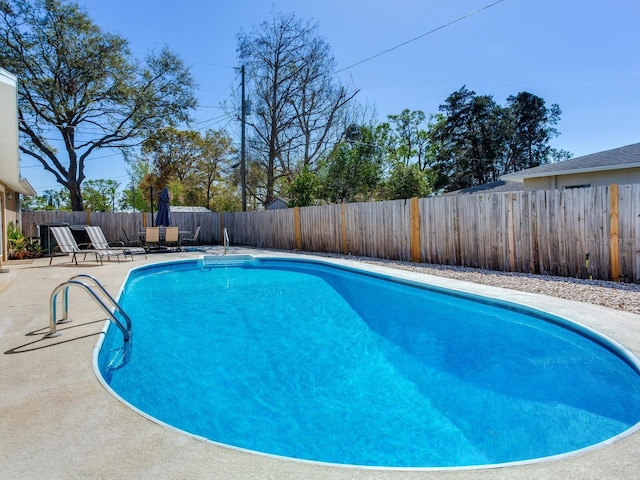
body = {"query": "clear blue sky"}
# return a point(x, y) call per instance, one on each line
point(582, 55)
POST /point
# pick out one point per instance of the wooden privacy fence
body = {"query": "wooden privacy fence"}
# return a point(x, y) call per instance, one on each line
point(582, 232)
point(114, 225)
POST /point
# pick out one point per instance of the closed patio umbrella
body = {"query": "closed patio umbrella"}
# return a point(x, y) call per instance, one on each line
point(163, 218)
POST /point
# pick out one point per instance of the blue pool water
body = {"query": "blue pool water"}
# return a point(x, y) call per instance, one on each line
point(305, 360)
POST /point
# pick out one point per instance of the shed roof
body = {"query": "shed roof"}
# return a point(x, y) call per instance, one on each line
point(188, 209)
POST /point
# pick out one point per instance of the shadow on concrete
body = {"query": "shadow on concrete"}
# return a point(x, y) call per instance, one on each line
point(51, 342)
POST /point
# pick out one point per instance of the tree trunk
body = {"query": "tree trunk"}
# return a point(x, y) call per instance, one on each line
point(76, 197)
point(270, 179)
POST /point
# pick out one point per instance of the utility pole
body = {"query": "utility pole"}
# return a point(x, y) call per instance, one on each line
point(243, 160)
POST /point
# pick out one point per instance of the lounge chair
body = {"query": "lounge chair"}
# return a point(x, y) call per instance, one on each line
point(67, 244)
point(151, 238)
point(172, 237)
point(98, 240)
point(191, 238)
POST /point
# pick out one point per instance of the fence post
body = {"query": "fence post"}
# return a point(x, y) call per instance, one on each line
point(414, 239)
point(343, 214)
point(88, 217)
point(613, 232)
point(296, 227)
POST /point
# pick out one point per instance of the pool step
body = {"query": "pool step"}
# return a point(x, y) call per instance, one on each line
point(212, 261)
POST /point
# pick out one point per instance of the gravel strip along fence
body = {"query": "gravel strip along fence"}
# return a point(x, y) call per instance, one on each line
point(620, 296)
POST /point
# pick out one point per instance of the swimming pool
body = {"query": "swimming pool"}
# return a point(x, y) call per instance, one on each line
point(439, 379)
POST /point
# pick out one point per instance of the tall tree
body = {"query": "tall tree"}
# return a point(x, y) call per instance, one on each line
point(530, 127)
point(353, 170)
point(405, 181)
point(49, 200)
point(134, 195)
point(305, 189)
point(191, 164)
point(470, 137)
point(405, 139)
point(82, 86)
point(477, 140)
point(100, 195)
point(173, 153)
point(298, 102)
point(217, 151)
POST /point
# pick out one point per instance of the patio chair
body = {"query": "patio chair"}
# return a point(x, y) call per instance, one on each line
point(172, 237)
point(98, 240)
point(67, 244)
point(129, 242)
point(191, 238)
point(151, 238)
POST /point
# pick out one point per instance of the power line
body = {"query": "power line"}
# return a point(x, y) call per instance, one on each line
point(145, 55)
point(60, 186)
point(470, 14)
point(208, 64)
point(88, 159)
point(208, 123)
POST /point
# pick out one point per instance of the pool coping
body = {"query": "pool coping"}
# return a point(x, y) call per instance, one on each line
point(60, 422)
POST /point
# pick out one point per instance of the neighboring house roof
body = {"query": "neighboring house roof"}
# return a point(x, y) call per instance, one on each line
point(493, 187)
point(186, 209)
point(617, 158)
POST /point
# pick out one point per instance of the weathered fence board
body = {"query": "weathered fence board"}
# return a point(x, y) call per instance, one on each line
point(629, 229)
point(321, 228)
point(548, 232)
point(379, 229)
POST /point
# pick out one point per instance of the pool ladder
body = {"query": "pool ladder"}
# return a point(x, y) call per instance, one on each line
point(225, 240)
point(103, 301)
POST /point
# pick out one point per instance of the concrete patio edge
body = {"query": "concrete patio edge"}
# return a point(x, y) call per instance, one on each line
point(58, 421)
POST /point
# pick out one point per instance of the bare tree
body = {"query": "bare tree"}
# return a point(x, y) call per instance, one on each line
point(297, 101)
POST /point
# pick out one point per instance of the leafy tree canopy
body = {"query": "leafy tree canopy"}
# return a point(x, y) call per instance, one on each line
point(192, 165)
point(475, 140)
point(49, 200)
point(405, 181)
point(81, 86)
point(353, 170)
point(405, 138)
point(305, 190)
point(101, 195)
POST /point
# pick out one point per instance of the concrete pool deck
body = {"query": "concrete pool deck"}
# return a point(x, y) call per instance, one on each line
point(58, 421)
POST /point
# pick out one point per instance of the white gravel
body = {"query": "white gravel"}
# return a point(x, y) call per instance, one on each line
point(621, 296)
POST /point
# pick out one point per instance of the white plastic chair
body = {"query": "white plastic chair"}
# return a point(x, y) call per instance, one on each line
point(99, 241)
point(67, 244)
point(191, 238)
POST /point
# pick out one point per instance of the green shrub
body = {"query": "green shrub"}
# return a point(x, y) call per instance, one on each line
point(20, 246)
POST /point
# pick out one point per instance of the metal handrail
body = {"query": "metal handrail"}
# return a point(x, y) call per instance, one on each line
point(226, 240)
point(115, 304)
point(126, 331)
